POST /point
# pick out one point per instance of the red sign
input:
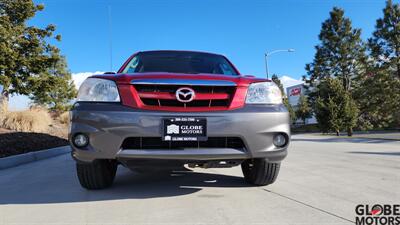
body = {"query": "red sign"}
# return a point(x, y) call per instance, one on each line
point(295, 91)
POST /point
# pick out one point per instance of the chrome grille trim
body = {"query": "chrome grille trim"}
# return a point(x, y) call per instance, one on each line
point(189, 82)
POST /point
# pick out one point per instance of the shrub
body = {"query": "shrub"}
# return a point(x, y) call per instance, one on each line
point(33, 120)
point(64, 118)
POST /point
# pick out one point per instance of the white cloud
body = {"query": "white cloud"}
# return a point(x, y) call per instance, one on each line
point(78, 78)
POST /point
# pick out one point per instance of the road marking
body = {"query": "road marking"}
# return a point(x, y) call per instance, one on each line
point(310, 206)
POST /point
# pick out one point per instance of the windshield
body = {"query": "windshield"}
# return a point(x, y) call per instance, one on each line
point(179, 62)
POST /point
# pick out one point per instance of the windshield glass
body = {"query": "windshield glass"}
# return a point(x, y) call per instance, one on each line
point(179, 62)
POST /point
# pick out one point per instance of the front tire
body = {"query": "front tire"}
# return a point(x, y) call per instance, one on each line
point(259, 171)
point(98, 174)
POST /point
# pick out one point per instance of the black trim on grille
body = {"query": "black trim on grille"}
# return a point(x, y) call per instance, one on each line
point(173, 88)
point(158, 143)
point(142, 88)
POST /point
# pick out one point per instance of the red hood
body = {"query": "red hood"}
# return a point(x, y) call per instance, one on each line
point(240, 80)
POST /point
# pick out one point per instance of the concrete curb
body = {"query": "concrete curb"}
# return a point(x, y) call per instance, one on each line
point(377, 138)
point(17, 160)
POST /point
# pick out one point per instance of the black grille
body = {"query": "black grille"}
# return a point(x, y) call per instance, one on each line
point(158, 143)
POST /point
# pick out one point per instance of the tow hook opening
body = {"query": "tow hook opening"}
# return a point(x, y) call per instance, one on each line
point(215, 164)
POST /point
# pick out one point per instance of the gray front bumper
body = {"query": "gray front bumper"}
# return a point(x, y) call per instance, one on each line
point(107, 125)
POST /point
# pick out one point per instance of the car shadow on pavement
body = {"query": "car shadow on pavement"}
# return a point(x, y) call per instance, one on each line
point(62, 186)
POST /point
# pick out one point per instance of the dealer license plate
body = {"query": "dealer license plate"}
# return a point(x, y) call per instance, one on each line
point(184, 129)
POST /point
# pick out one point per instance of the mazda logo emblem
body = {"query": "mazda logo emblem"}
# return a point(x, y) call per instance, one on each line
point(185, 94)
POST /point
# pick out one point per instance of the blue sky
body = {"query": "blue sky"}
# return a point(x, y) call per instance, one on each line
point(241, 30)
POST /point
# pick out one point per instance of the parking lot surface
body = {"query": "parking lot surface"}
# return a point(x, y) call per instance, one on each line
point(321, 182)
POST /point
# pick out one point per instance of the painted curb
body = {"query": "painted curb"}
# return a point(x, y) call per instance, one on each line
point(17, 160)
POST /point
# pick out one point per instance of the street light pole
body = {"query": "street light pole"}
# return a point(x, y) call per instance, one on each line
point(266, 65)
point(272, 52)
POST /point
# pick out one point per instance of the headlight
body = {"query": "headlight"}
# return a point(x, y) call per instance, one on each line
point(263, 93)
point(98, 90)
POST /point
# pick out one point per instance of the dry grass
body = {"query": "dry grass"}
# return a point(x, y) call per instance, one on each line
point(32, 120)
point(64, 118)
point(3, 111)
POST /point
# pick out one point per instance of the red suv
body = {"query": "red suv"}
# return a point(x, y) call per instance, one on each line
point(165, 109)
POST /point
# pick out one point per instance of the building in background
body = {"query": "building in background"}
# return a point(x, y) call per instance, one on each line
point(293, 94)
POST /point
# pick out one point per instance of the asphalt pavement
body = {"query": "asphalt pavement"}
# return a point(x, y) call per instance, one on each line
point(320, 182)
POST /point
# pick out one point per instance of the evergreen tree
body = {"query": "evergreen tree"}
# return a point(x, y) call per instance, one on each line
point(378, 99)
point(340, 56)
point(278, 82)
point(322, 114)
point(292, 113)
point(25, 53)
point(341, 53)
point(335, 109)
point(54, 88)
point(385, 43)
point(303, 109)
point(378, 95)
point(350, 113)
